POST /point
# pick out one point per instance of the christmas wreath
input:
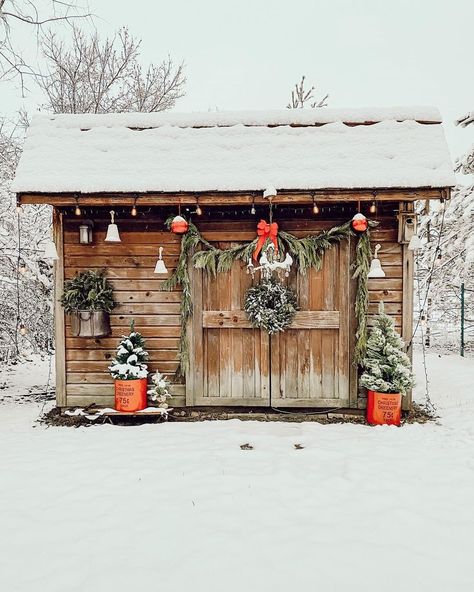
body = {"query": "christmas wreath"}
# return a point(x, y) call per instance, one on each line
point(270, 306)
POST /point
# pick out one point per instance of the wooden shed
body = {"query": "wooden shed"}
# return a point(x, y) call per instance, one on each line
point(326, 166)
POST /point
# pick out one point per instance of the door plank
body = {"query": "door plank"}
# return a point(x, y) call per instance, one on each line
point(304, 319)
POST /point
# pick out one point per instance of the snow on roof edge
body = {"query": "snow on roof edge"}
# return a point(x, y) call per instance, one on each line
point(229, 118)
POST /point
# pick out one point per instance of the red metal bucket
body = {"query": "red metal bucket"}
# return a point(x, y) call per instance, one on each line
point(130, 395)
point(384, 408)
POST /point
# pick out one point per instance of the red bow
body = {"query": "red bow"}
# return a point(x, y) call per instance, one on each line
point(264, 231)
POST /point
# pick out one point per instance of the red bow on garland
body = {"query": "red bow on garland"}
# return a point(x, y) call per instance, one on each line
point(264, 231)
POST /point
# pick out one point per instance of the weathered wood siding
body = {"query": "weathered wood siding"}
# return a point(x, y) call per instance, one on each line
point(129, 267)
point(130, 264)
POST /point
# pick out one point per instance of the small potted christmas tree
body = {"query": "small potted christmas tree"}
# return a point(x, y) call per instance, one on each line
point(387, 372)
point(130, 373)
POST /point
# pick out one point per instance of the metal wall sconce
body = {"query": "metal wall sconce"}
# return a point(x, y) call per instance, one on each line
point(86, 235)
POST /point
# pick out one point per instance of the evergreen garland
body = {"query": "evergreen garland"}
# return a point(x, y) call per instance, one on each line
point(387, 368)
point(361, 271)
point(130, 357)
point(270, 306)
point(189, 241)
point(307, 251)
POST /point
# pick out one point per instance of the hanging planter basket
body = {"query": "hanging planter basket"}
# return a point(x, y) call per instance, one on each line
point(90, 323)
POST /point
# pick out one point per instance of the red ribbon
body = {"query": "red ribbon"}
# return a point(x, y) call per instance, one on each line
point(266, 231)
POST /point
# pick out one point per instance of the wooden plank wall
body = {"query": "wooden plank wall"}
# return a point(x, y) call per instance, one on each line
point(129, 267)
point(130, 264)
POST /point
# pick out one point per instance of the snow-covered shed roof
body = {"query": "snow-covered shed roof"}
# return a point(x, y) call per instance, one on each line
point(235, 151)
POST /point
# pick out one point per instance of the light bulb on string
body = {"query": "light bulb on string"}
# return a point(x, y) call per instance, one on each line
point(253, 211)
point(315, 207)
point(19, 209)
point(198, 210)
point(22, 266)
point(77, 210)
point(22, 329)
point(373, 207)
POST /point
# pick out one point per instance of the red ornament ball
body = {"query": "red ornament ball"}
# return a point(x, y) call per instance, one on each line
point(179, 225)
point(359, 223)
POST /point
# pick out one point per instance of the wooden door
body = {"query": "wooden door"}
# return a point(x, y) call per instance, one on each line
point(305, 366)
point(310, 360)
point(229, 359)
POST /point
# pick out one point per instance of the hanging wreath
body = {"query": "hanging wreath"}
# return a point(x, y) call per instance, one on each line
point(270, 306)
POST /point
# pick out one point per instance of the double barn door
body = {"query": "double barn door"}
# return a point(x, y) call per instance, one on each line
point(305, 366)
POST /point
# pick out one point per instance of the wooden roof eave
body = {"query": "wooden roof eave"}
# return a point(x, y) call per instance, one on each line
point(231, 197)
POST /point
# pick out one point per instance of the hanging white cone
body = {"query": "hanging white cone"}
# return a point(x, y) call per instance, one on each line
point(376, 270)
point(113, 235)
point(50, 251)
point(415, 243)
point(270, 192)
point(160, 266)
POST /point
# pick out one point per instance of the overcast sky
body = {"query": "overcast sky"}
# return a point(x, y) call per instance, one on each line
point(246, 54)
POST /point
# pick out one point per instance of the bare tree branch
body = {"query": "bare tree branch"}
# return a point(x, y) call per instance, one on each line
point(34, 15)
point(300, 97)
point(90, 75)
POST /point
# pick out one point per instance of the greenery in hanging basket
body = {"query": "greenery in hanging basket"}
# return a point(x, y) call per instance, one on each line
point(386, 367)
point(270, 306)
point(88, 290)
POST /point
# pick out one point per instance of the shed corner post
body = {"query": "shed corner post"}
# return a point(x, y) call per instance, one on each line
point(59, 323)
point(407, 302)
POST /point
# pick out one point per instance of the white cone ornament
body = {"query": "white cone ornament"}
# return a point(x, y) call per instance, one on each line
point(415, 243)
point(179, 225)
point(113, 235)
point(376, 270)
point(359, 223)
point(160, 266)
point(50, 251)
point(270, 192)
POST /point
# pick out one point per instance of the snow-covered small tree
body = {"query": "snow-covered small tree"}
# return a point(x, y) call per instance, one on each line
point(130, 357)
point(159, 392)
point(386, 367)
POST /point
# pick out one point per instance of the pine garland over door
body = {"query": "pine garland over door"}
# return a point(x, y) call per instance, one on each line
point(308, 253)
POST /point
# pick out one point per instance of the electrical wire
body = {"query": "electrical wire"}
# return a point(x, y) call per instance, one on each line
point(430, 277)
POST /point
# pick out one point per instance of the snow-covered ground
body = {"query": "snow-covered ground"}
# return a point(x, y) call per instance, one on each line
point(181, 507)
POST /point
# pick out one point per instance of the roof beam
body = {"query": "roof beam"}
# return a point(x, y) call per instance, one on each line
point(230, 198)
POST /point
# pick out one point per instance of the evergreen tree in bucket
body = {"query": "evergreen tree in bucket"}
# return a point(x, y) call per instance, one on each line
point(386, 367)
point(130, 372)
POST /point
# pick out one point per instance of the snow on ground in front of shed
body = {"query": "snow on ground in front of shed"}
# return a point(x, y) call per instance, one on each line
point(180, 506)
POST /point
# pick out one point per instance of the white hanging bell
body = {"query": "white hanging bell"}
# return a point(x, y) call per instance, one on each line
point(113, 235)
point(160, 266)
point(376, 270)
point(50, 251)
point(415, 243)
